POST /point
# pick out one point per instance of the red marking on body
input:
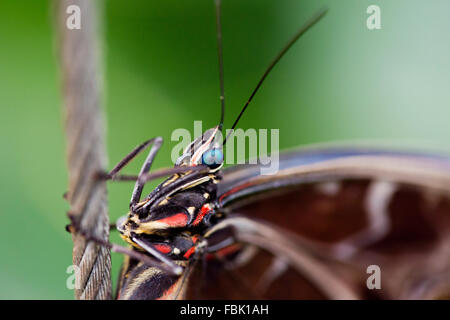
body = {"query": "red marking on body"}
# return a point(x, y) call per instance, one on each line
point(203, 212)
point(177, 220)
point(189, 252)
point(163, 248)
point(167, 295)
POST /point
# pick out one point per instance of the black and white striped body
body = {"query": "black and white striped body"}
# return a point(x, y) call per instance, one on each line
point(344, 209)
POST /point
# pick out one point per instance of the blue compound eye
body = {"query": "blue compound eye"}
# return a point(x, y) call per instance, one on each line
point(212, 158)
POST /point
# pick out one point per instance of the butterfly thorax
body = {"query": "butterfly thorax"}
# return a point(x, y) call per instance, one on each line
point(172, 218)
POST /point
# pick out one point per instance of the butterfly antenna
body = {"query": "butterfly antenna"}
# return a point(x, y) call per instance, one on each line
point(220, 58)
point(311, 22)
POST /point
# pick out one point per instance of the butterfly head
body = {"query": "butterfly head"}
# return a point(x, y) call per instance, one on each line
point(204, 150)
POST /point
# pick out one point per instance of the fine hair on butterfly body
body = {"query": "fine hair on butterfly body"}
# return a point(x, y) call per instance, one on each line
point(309, 231)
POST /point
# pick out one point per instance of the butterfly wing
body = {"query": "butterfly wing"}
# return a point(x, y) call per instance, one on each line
point(343, 210)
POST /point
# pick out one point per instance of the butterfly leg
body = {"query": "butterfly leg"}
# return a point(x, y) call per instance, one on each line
point(75, 228)
point(122, 163)
point(139, 186)
point(156, 145)
point(147, 246)
point(113, 174)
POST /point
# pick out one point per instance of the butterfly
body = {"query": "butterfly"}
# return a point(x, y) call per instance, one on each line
point(334, 222)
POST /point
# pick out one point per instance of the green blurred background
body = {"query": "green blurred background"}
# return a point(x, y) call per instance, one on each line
point(340, 82)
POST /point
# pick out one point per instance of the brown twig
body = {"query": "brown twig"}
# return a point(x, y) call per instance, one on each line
point(85, 148)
